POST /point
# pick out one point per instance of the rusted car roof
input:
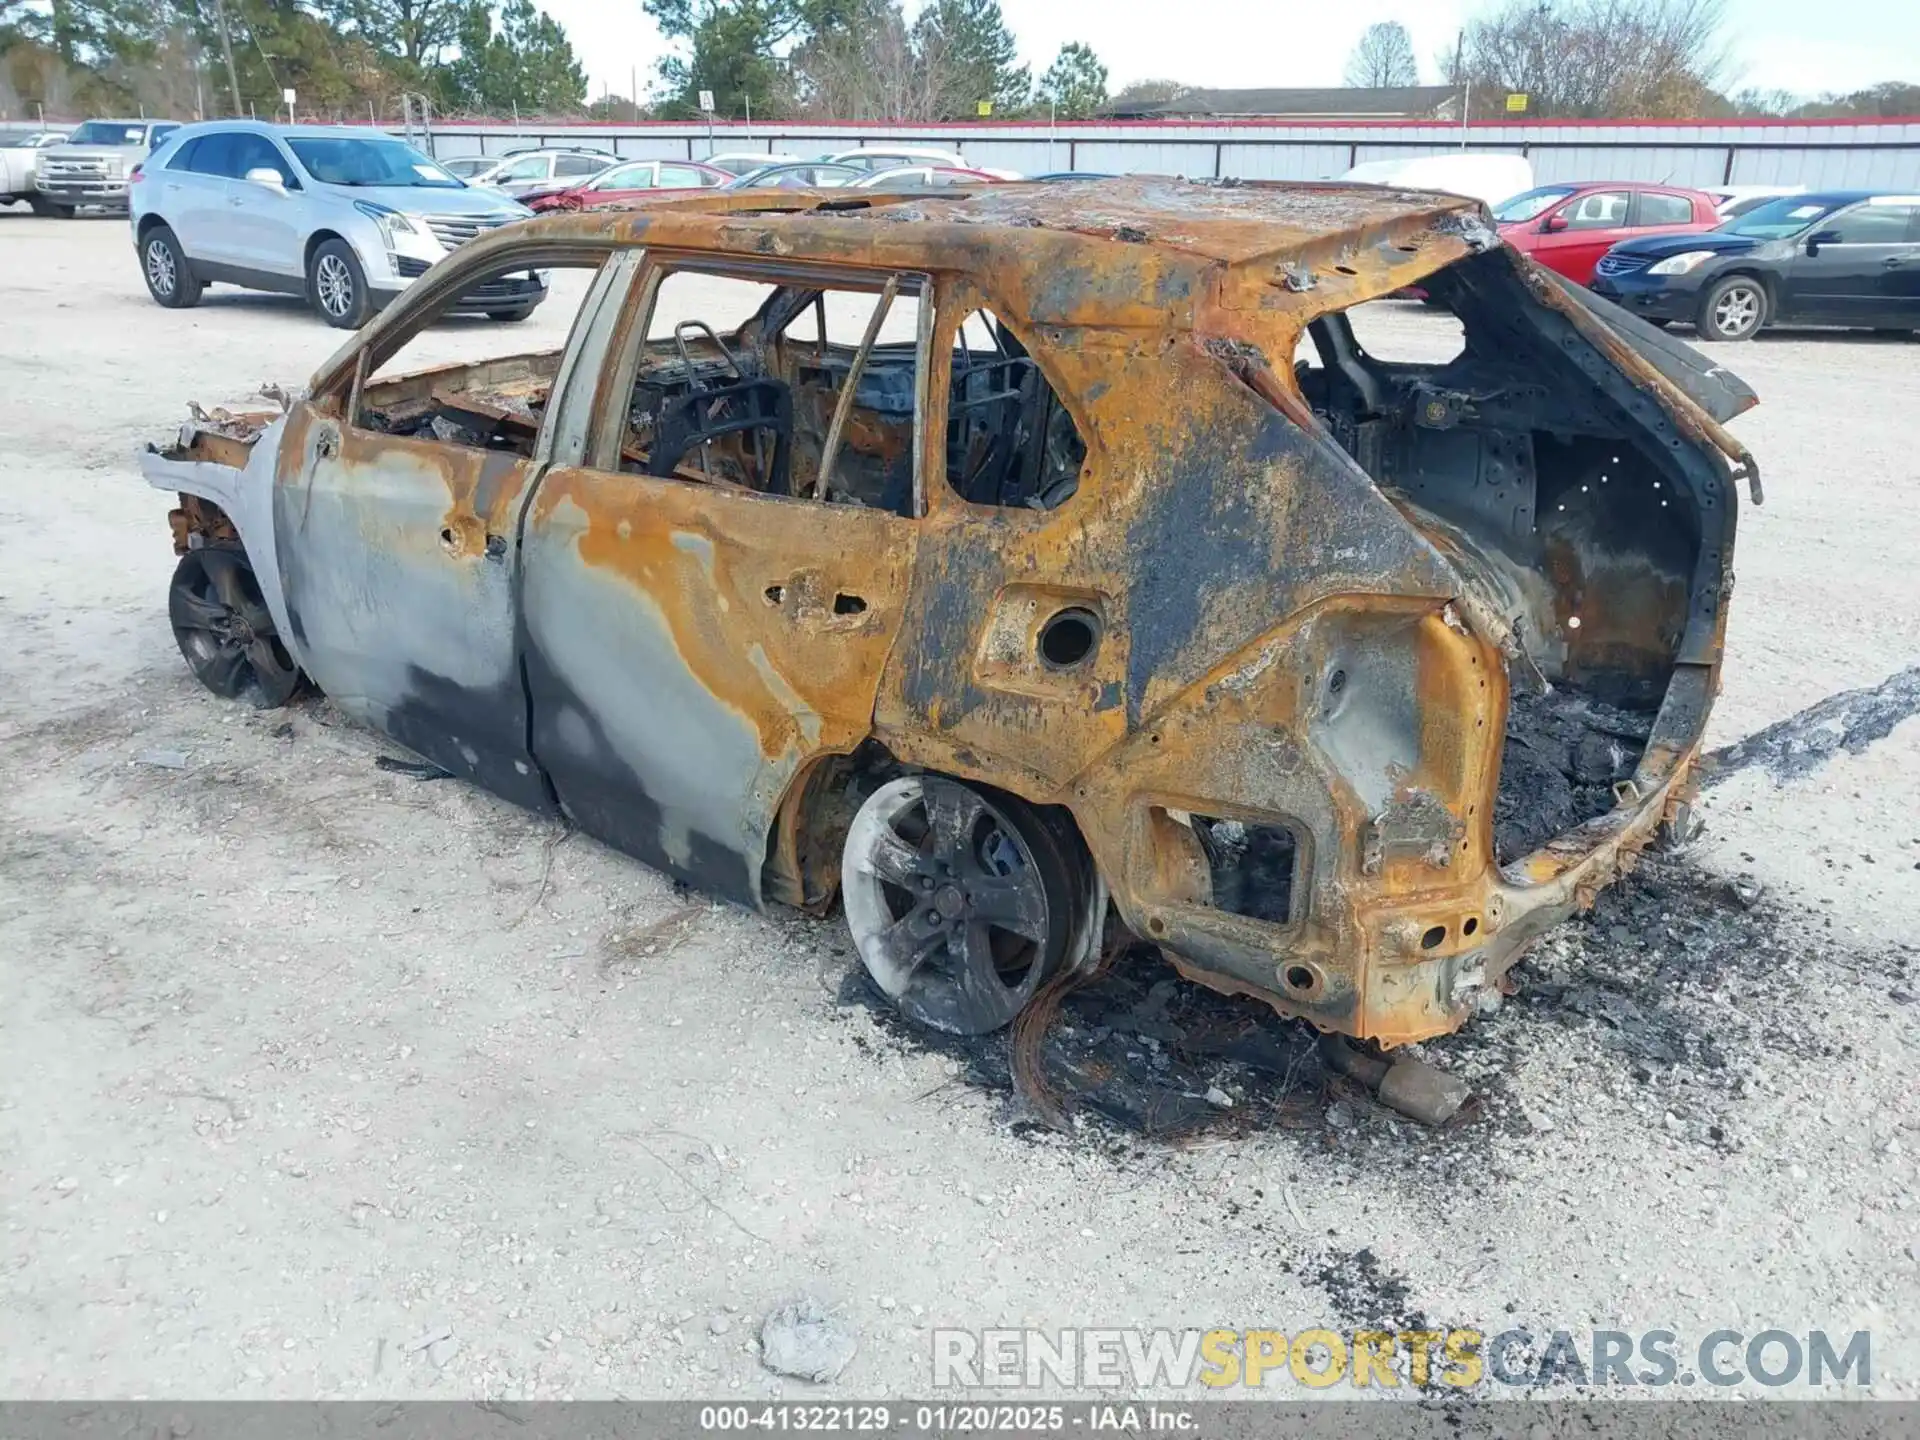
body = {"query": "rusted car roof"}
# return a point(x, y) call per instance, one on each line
point(1231, 223)
point(1141, 251)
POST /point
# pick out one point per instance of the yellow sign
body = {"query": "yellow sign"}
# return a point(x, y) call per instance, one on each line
point(985, 107)
point(1516, 102)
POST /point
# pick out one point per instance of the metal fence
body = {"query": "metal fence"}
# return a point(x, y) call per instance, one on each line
point(1823, 154)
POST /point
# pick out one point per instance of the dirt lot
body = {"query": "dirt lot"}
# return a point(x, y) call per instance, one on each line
point(303, 1059)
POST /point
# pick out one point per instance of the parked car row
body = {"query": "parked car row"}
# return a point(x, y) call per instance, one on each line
point(1730, 262)
point(569, 178)
point(59, 171)
point(349, 218)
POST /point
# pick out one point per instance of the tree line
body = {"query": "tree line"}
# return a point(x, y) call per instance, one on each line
point(342, 58)
point(825, 59)
point(1606, 59)
point(863, 60)
point(849, 59)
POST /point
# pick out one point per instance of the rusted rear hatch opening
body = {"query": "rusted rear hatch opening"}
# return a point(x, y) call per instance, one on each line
point(1579, 515)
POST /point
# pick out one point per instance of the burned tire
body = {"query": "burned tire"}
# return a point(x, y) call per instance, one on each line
point(337, 286)
point(1732, 309)
point(225, 631)
point(170, 279)
point(962, 900)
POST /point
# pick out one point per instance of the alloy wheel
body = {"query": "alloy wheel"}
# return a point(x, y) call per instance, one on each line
point(161, 272)
point(1737, 311)
point(955, 901)
point(225, 631)
point(333, 282)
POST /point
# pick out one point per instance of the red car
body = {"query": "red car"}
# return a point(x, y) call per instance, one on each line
point(629, 180)
point(1568, 227)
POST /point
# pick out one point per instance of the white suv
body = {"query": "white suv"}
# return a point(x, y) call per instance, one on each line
point(346, 217)
point(557, 167)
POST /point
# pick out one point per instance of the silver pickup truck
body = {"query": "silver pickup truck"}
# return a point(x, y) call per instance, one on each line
point(20, 155)
point(92, 167)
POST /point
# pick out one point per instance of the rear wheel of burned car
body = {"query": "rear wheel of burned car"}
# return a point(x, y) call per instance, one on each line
point(225, 630)
point(170, 280)
point(1732, 309)
point(337, 286)
point(962, 900)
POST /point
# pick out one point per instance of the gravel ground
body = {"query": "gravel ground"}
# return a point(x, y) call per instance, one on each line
point(304, 1061)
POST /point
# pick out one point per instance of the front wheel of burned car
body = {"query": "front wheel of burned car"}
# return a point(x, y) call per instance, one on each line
point(1732, 309)
point(225, 630)
point(962, 900)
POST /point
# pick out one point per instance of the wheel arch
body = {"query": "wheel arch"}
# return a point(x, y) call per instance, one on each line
point(316, 240)
point(148, 223)
point(802, 863)
point(244, 494)
point(1769, 284)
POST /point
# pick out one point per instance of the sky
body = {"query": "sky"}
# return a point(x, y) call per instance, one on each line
point(1807, 48)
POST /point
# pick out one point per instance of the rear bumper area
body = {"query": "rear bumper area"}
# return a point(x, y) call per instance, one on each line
point(1403, 927)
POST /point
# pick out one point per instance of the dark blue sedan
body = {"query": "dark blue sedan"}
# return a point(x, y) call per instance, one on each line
point(1837, 257)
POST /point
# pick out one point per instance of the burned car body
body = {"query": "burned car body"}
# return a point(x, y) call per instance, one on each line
point(1340, 680)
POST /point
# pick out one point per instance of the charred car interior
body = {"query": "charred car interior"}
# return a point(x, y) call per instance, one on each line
point(1589, 538)
point(757, 408)
point(997, 570)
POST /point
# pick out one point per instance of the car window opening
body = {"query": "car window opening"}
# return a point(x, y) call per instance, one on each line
point(763, 403)
point(1563, 516)
point(745, 385)
point(1010, 442)
point(494, 399)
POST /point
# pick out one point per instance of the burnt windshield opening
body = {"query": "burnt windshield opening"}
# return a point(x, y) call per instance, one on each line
point(1561, 497)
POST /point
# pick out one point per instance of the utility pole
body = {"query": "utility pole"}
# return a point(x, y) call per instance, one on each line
point(226, 49)
point(1466, 93)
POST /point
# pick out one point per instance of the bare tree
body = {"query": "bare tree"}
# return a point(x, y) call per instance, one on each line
point(876, 68)
point(1383, 58)
point(1146, 92)
point(1607, 59)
